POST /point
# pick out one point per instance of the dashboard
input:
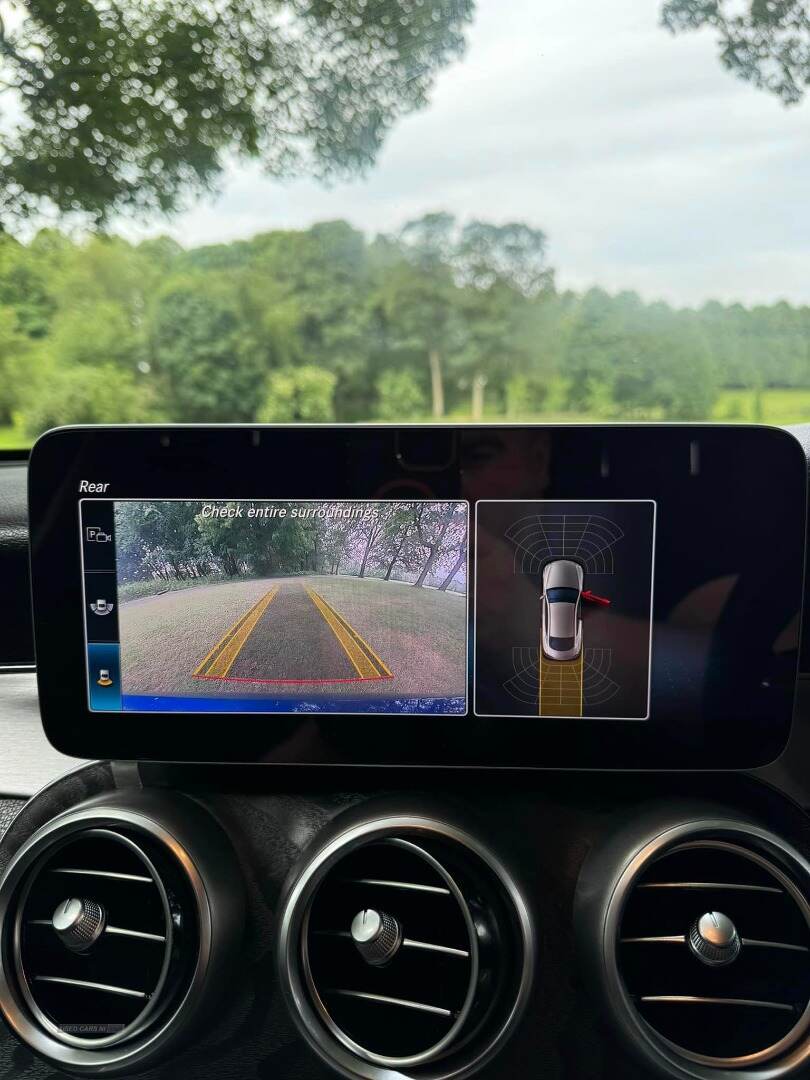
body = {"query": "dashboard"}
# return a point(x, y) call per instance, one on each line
point(406, 752)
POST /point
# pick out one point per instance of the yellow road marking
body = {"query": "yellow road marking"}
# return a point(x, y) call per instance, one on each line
point(219, 660)
point(360, 640)
point(560, 686)
point(366, 662)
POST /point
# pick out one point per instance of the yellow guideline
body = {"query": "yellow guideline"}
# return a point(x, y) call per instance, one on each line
point(220, 659)
point(560, 687)
point(366, 662)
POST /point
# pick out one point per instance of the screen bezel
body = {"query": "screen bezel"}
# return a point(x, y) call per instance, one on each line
point(232, 462)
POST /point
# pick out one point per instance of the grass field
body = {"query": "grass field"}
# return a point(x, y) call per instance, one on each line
point(773, 407)
point(732, 406)
point(418, 638)
point(13, 437)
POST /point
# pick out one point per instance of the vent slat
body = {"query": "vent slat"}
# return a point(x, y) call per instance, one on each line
point(694, 999)
point(140, 879)
point(85, 984)
point(141, 935)
point(413, 886)
point(726, 885)
point(680, 939)
point(763, 989)
point(383, 999)
point(407, 943)
point(119, 931)
point(429, 946)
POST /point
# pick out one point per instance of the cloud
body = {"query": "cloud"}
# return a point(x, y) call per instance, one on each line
point(649, 166)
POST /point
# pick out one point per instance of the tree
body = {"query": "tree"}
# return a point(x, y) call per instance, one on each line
point(14, 349)
point(592, 346)
point(434, 525)
point(662, 365)
point(765, 42)
point(27, 277)
point(369, 530)
point(400, 397)
point(419, 294)
point(513, 254)
point(300, 395)
point(461, 558)
point(204, 354)
point(481, 277)
point(137, 106)
point(82, 394)
point(393, 546)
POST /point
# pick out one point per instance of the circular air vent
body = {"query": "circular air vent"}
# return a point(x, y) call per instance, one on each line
point(98, 987)
point(706, 949)
point(715, 1009)
point(405, 946)
point(106, 936)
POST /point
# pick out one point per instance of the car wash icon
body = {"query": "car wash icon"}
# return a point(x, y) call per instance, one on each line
point(101, 607)
point(104, 677)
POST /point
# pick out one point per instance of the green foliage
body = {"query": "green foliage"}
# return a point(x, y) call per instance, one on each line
point(87, 394)
point(400, 397)
point(303, 395)
point(524, 396)
point(323, 325)
point(766, 42)
point(136, 106)
point(14, 350)
point(461, 295)
point(204, 354)
point(173, 543)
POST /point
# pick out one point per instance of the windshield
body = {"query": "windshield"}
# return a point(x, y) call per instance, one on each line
point(407, 210)
point(562, 596)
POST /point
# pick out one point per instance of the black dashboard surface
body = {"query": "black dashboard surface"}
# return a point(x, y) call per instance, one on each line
point(16, 627)
point(543, 835)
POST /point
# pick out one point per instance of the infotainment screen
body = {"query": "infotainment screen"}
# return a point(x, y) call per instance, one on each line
point(270, 606)
point(490, 596)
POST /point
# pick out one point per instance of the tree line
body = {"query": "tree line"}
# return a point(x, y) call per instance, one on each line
point(421, 543)
point(439, 319)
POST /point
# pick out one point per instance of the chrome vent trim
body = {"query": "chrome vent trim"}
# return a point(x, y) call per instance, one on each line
point(49, 975)
point(192, 876)
point(432, 1010)
point(439, 900)
point(749, 1017)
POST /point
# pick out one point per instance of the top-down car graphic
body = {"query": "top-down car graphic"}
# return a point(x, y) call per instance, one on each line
point(562, 616)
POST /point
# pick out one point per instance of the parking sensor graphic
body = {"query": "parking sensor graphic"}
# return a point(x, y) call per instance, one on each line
point(573, 633)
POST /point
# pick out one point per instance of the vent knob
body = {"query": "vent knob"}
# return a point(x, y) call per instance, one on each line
point(714, 940)
point(78, 923)
point(377, 936)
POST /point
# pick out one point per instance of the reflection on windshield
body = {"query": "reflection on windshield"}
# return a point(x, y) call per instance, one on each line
point(391, 212)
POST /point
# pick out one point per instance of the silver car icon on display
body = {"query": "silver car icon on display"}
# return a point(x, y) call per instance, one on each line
point(562, 614)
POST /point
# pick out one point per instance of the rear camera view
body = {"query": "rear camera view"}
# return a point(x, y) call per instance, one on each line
point(564, 608)
point(292, 606)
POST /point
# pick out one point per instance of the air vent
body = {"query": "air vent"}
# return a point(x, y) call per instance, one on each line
point(717, 1008)
point(405, 946)
point(105, 942)
point(705, 944)
point(105, 936)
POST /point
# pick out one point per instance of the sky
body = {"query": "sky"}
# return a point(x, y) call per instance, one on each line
point(647, 164)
